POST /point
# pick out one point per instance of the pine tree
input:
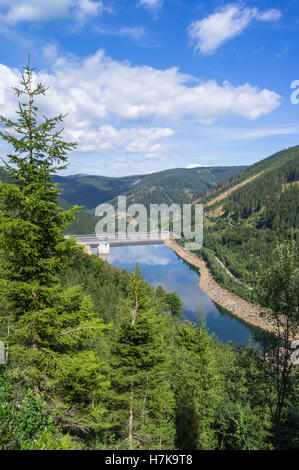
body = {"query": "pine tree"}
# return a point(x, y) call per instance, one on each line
point(141, 399)
point(197, 388)
point(48, 327)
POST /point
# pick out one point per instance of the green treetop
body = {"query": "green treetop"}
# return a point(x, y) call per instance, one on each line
point(48, 328)
point(141, 400)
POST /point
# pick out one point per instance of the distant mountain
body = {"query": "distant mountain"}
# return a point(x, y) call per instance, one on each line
point(245, 218)
point(90, 191)
point(169, 186)
point(247, 209)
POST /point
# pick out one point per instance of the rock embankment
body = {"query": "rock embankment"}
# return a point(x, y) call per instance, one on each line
point(253, 314)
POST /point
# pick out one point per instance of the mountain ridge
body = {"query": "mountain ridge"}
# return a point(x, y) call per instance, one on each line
point(177, 185)
point(247, 218)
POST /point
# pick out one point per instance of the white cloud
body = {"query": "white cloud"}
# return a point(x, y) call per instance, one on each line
point(269, 15)
point(50, 52)
point(208, 34)
point(156, 152)
point(153, 5)
point(107, 138)
point(143, 139)
point(249, 134)
point(195, 165)
point(113, 105)
point(135, 33)
point(222, 134)
point(14, 11)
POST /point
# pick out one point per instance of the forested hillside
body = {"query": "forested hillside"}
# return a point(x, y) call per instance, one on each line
point(247, 218)
point(90, 190)
point(267, 164)
point(94, 358)
point(190, 391)
point(177, 185)
point(83, 223)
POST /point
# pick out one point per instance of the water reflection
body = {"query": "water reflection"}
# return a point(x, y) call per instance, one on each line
point(161, 266)
point(146, 255)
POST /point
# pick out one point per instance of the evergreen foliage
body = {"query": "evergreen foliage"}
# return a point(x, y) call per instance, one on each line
point(279, 290)
point(142, 400)
point(99, 359)
point(178, 185)
point(253, 220)
point(197, 387)
point(48, 326)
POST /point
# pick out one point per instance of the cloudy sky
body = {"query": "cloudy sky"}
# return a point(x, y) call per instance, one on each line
point(156, 84)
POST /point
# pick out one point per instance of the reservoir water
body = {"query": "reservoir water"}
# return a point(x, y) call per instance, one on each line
point(161, 266)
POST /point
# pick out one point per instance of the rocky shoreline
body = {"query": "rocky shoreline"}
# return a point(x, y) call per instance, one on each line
point(252, 314)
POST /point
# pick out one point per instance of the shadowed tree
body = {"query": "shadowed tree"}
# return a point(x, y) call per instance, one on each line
point(279, 290)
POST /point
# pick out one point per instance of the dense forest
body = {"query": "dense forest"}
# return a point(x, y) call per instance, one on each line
point(244, 224)
point(189, 390)
point(178, 185)
point(91, 190)
point(96, 358)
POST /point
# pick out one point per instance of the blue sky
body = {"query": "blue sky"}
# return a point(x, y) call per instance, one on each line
point(156, 84)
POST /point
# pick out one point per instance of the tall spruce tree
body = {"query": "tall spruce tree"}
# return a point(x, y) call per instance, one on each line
point(48, 327)
point(141, 399)
point(197, 387)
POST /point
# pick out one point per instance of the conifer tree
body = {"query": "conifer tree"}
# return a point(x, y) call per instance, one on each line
point(197, 388)
point(141, 400)
point(279, 291)
point(49, 327)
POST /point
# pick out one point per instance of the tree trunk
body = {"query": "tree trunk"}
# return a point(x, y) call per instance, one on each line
point(131, 415)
